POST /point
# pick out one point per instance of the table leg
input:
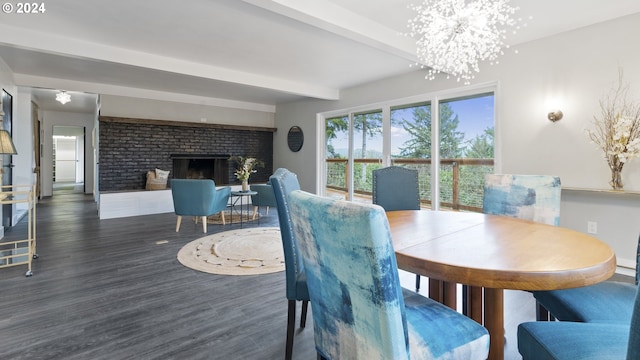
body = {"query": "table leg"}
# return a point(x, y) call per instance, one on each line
point(241, 210)
point(494, 321)
point(450, 296)
point(443, 292)
point(435, 290)
point(474, 302)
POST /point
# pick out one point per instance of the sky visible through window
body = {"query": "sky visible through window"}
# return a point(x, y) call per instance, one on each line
point(474, 114)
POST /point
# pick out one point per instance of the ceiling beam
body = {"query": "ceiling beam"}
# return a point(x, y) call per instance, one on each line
point(64, 46)
point(328, 16)
point(115, 90)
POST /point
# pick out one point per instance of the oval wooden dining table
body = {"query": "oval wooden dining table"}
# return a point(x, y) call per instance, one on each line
point(493, 253)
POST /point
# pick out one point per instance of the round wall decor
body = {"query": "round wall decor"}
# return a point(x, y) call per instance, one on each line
point(295, 138)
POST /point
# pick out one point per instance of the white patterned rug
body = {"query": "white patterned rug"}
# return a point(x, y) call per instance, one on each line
point(250, 251)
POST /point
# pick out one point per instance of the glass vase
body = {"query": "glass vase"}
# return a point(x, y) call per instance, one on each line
point(616, 179)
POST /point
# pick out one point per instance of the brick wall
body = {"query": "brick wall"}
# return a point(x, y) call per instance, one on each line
point(129, 148)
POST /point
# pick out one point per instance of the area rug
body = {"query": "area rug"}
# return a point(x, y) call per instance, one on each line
point(246, 217)
point(237, 252)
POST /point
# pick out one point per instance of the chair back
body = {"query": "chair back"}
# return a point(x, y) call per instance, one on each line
point(283, 183)
point(638, 262)
point(633, 350)
point(193, 197)
point(529, 197)
point(396, 188)
point(265, 196)
point(358, 307)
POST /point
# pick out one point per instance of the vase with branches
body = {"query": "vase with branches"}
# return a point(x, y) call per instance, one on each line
point(617, 130)
point(246, 167)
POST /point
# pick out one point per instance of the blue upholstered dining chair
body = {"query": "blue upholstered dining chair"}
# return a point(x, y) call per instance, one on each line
point(359, 310)
point(396, 188)
point(283, 183)
point(199, 198)
point(265, 197)
point(568, 340)
point(528, 197)
point(608, 301)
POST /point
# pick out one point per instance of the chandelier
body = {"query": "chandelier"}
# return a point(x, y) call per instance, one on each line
point(63, 97)
point(453, 36)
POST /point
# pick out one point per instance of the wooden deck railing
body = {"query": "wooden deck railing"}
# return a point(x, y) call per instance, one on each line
point(460, 186)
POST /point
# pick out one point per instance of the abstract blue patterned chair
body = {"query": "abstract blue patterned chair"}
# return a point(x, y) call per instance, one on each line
point(567, 340)
point(396, 188)
point(265, 197)
point(608, 301)
point(359, 311)
point(198, 197)
point(528, 197)
point(283, 183)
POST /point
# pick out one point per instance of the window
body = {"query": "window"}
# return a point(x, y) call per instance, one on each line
point(401, 134)
point(337, 155)
point(466, 150)
point(411, 143)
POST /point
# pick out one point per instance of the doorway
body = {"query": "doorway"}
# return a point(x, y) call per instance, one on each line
point(68, 159)
point(7, 160)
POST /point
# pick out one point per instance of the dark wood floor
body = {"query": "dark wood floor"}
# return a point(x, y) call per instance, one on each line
point(106, 289)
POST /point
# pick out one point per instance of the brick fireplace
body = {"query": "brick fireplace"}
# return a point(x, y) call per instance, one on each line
point(201, 166)
point(131, 147)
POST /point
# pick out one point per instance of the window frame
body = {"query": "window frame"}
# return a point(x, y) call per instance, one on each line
point(434, 99)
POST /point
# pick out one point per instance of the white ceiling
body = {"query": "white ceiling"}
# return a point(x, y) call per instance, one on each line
point(247, 54)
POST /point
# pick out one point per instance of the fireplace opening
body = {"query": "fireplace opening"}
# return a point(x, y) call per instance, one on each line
point(202, 166)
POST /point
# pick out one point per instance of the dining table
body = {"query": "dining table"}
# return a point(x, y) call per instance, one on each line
point(491, 253)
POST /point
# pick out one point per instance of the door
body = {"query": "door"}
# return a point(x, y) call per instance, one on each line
point(68, 158)
point(7, 160)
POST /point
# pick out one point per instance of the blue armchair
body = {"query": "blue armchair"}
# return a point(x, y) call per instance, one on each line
point(359, 310)
point(567, 340)
point(199, 198)
point(265, 197)
point(283, 183)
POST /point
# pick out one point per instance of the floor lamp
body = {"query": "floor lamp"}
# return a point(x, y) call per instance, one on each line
point(6, 145)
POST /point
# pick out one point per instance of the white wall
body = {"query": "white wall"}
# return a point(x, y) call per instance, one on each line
point(59, 118)
point(21, 137)
point(129, 107)
point(571, 71)
point(24, 161)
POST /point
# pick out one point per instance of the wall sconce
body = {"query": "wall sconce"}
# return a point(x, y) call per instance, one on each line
point(555, 115)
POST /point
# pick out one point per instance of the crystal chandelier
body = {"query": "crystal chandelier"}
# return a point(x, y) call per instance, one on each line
point(453, 36)
point(63, 97)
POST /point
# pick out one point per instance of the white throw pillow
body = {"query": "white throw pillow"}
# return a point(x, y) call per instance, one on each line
point(162, 174)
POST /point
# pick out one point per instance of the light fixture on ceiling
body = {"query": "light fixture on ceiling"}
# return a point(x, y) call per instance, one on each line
point(63, 97)
point(555, 115)
point(453, 36)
